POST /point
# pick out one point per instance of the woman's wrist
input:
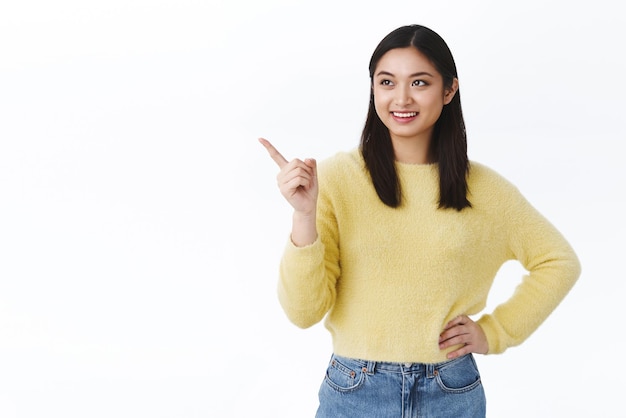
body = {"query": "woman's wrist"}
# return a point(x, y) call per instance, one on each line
point(304, 229)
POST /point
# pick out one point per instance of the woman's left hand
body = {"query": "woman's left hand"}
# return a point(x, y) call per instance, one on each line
point(463, 331)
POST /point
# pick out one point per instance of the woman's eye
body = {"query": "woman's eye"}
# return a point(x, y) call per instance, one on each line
point(386, 83)
point(418, 83)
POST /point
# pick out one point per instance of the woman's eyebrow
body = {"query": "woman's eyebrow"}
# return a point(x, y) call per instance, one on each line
point(418, 74)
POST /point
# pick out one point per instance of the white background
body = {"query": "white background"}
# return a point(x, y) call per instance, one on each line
point(141, 228)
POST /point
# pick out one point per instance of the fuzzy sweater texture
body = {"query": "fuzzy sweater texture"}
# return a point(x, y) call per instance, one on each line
point(387, 280)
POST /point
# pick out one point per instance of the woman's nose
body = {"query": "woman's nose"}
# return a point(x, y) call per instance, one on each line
point(403, 96)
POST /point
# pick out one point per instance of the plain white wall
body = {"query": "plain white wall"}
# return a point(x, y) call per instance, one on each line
point(141, 228)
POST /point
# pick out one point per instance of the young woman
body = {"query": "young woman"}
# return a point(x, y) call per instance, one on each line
point(397, 243)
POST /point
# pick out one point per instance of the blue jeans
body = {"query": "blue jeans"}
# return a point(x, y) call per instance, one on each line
point(367, 389)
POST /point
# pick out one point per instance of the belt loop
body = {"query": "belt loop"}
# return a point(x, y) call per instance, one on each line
point(430, 370)
point(371, 367)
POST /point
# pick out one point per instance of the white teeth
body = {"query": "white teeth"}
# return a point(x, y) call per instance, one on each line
point(404, 115)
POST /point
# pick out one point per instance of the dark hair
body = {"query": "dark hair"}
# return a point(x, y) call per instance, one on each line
point(449, 142)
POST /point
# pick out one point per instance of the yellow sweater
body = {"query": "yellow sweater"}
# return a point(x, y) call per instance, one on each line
point(390, 279)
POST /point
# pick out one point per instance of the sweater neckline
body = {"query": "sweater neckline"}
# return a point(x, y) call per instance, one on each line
point(415, 166)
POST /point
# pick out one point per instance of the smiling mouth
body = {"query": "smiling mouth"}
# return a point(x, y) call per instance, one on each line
point(404, 114)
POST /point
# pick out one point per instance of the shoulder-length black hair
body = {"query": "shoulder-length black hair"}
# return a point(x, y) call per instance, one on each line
point(449, 142)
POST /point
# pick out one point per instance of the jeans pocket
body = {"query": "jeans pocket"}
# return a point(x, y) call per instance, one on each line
point(459, 375)
point(344, 375)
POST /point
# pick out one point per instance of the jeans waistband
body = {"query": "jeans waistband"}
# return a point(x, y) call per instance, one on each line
point(429, 369)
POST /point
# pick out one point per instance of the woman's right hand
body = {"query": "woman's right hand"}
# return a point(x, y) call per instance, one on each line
point(297, 180)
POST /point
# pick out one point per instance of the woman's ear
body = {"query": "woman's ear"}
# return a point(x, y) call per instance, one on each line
point(450, 92)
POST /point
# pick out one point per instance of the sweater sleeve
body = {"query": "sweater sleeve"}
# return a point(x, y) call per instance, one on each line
point(552, 267)
point(308, 275)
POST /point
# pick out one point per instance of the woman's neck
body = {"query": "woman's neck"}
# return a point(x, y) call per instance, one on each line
point(412, 151)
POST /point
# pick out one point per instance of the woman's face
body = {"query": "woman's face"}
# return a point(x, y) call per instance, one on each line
point(409, 94)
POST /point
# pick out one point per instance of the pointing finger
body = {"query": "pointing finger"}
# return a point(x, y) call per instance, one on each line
point(276, 156)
